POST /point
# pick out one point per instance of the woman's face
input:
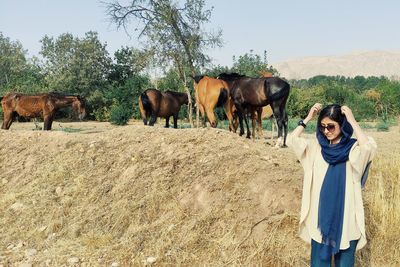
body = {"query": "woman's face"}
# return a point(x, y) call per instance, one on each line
point(331, 129)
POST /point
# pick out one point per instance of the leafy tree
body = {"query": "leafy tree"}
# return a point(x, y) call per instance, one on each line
point(172, 32)
point(128, 61)
point(75, 65)
point(12, 61)
point(252, 65)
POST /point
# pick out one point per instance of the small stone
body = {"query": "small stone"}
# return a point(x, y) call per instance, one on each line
point(19, 245)
point(30, 252)
point(17, 206)
point(25, 264)
point(151, 260)
point(4, 181)
point(73, 260)
point(59, 191)
point(115, 264)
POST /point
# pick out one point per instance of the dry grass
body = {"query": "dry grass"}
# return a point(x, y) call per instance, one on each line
point(187, 197)
point(382, 201)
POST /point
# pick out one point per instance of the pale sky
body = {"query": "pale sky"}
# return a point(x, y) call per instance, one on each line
point(286, 29)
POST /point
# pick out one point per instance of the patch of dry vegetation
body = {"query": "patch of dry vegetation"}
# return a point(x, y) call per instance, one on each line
point(140, 195)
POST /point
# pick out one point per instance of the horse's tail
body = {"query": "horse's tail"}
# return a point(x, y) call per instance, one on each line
point(223, 97)
point(145, 102)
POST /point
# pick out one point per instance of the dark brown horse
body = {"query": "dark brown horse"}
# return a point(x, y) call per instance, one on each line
point(249, 93)
point(153, 103)
point(211, 93)
point(42, 105)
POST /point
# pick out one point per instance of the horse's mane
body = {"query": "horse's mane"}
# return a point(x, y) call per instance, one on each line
point(230, 76)
point(197, 78)
point(175, 93)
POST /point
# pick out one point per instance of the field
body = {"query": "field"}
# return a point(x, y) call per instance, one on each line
point(93, 194)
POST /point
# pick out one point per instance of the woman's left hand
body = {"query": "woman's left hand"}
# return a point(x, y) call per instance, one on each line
point(348, 113)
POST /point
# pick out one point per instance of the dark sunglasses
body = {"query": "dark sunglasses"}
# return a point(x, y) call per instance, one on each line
point(329, 127)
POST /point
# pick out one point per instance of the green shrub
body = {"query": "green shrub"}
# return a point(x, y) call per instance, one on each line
point(382, 126)
point(120, 114)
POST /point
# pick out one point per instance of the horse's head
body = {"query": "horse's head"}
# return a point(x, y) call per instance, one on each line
point(79, 106)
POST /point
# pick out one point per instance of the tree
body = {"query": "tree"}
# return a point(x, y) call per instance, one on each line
point(12, 61)
point(172, 32)
point(75, 65)
point(17, 72)
point(252, 65)
point(128, 61)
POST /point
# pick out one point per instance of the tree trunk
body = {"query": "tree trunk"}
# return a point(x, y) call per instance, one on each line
point(190, 104)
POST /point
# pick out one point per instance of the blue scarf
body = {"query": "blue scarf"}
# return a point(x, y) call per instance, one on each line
point(332, 195)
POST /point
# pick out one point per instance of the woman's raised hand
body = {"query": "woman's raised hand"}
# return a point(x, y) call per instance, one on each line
point(314, 111)
point(346, 111)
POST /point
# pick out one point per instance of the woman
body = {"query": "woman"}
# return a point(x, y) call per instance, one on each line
point(332, 212)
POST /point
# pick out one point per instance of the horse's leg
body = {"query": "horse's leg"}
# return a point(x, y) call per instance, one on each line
point(246, 120)
point(176, 121)
point(253, 122)
point(203, 115)
point(228, 111)
point(259, 122)
point(8, 118)
point(211, 116)
point(279, 114)
point(48, 121)
point(239, 112)
point(285, 128)
point(167, 122)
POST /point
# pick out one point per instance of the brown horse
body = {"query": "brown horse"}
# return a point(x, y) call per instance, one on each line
point(257, 115)
point(42, 105)
point(153, 103)
point(211, 93)
point(250, 93)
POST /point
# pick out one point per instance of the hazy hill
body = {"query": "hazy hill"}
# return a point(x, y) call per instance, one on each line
point(372, 63)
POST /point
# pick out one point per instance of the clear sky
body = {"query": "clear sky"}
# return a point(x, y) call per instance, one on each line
point(285, 29)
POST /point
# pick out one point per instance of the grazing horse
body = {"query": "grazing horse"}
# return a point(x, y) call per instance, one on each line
point(211, 93)
point(250, 93)
point(42, 105)
point(153, 103)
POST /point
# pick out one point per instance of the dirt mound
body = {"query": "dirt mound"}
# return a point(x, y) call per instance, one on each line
point(139, 195)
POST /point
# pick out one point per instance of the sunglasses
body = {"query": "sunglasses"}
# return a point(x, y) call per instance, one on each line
point(329, 127)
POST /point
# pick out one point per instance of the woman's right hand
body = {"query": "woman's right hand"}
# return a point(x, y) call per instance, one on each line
point(314, 111)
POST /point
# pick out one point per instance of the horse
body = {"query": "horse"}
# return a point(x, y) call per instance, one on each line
point(154, 103)
point(42, 105)
point(256, 115)
point(250, 93)
point(209, 94)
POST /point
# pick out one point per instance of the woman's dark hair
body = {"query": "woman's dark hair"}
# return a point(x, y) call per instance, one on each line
point(333, 112)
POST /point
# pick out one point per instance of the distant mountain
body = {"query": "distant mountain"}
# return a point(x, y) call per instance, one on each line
point(372, 63)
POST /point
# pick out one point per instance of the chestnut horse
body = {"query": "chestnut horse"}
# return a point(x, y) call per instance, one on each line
point(154, 103)
point(42, 105)
point(211, 93)
point(248, 93)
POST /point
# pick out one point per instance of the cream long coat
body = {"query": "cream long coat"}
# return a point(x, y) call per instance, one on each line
point(308, 151)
